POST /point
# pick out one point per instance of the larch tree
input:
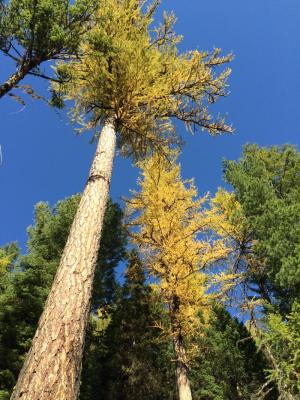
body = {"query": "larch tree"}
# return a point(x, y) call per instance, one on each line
point(132, 80)
point(33, 32)
point(173, 229)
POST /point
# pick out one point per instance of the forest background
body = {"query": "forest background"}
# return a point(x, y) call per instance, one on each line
point(260, 110)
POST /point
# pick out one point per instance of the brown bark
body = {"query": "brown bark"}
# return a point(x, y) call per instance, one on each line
point(53, 365)
point(183, 383)
point(15, 78)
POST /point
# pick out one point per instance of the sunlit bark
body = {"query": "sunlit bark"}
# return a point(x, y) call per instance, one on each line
point(53, 365)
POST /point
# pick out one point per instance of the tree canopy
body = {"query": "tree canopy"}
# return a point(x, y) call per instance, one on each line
point(266, 182)
point(134, 73)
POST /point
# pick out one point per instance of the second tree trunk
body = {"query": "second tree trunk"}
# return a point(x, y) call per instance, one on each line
point(53, 365)
point(183, 383)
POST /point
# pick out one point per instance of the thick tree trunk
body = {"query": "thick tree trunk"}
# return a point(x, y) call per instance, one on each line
point(53, 365)
point(183, 383)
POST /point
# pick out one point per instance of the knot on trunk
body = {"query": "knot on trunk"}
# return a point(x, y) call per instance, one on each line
point(95, 177)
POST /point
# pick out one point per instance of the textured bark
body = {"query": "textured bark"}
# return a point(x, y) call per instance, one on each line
point(13, 81)
point(53, 365)
point(183, 383)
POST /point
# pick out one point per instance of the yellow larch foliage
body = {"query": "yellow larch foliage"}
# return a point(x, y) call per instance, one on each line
point(173, 228)
point(229, 222)
point(5, 260)
point(132, 72)
point(227, 216)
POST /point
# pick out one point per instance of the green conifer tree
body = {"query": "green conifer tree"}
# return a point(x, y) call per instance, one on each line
point(229, 365)
point(137, 349)
point(35, 31)
point(266, 183)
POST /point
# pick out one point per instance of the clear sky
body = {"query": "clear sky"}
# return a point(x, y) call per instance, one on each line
point(44, 160)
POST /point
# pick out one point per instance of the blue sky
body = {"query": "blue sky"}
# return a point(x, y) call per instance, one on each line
point(44, 160)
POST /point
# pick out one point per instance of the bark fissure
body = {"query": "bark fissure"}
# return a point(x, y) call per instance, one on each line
point(53, 365)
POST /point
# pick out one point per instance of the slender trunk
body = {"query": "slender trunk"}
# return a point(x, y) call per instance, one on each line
point(15, 78)
point(183, 383)
point(53, 365)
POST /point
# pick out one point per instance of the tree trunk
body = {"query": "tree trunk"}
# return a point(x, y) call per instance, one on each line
point(14, 79)
point(53, 365)
point(183, 383)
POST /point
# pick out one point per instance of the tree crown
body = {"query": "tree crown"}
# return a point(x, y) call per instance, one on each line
point(174, 230)
point(134, 72)
point(266, 183)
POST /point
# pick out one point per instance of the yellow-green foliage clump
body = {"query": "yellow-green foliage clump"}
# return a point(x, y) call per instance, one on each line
point(5, 260)
point(132, 72)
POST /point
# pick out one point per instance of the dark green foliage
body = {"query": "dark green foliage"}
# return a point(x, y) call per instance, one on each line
point(229, 366)
point(138, 347)
point(26, 287)
point(267, 184)
point(35, 31)
point(7, 321)
point(124, 360)
point(112, 250)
